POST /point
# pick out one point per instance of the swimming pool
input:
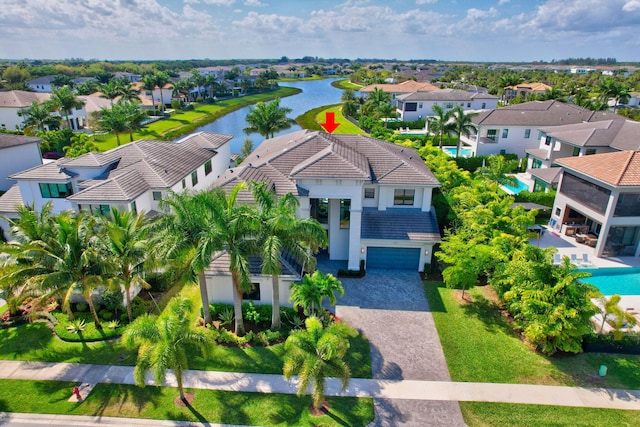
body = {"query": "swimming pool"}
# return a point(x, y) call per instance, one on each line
point(517, 187)
point(464, 152)
point(611, 281)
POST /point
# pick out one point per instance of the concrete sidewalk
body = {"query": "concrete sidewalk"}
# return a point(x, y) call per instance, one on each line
point(388, 389)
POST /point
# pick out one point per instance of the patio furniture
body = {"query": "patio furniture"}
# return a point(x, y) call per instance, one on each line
point(585, 260)
point(574, 259)
point(581, 238)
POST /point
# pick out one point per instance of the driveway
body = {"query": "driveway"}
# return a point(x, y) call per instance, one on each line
point(390, 308)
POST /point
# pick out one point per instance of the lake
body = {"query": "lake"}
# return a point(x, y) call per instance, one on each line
point(315, 93)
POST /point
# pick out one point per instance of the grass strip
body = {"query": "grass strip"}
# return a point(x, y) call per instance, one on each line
point(482, 414)
point(311, 120)
point(118, 400)
point(346, 84)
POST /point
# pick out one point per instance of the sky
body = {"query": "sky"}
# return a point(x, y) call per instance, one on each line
point(447, 30)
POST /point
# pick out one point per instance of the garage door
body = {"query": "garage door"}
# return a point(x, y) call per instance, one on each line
point(393, 258)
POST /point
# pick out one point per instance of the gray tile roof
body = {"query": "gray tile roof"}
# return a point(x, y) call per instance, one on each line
point(220, 266)
point(540, 113)
point(8, 140)
point(399, 224)
point(10, 200)
point(538, 153)
point(208, 140)
point(445, 95)
point(21, 98)
point(305, 154)
point(48, 171)
point(621, 134)
point(548, 175)
point(124, 187)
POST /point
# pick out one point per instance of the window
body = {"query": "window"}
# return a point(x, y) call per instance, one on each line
point(558, 211)
point(320, 210)
point(468, 105)
point(420, 105)
point(585, 192)
point(448, 105)
point(184, 183)
point(411, 106)
point(97, 209)
point(404, 197)
point(369, 193)
point(55, 191)
point(576, 151)
point(547, 140)
point(194, 178)
point(590, 151)
point(134, 208)
point(505, 133)
point(527, 133)
point(484, 105)
point(157, 195)
point(492, 134)
point(345, 212)
point(627, 205)
point(254, 294)
point(536, 164)
point(207, 168)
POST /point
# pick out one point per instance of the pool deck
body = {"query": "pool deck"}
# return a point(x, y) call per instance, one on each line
point(567, 245)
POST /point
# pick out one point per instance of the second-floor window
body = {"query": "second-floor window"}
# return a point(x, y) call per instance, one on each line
point(55, 191)
point(527, 133)
point(207, 168)
point(157, 195)
point(194, 178)
point(369, 193)
point(505, 133)
point(404, 197)
point(492, 134)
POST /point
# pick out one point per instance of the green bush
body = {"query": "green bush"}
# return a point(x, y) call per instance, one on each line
point(81, 307)
point(68, 330)
point(606, 343)
point(187, 107)
point(140, 306)
point(411, 124)
point(545, 199)
point(175, 104)
point(160, 282)
point(256, 313)
point(471, 164)
point(112, 300)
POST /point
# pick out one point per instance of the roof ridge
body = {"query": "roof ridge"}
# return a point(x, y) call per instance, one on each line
point(623, 171)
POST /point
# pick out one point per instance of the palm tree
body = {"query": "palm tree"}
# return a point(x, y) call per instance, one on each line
point(134, 117)
point(610, 88)
point(164, 342)
point(161, 79)
point(440, 123)
point(39, 116)
point(349, 103)
point(63, 99)
point(461, 124)
point(316, 353)
point(110, 90)
point(62, 260)
point(184, 233)
point(149, 83)
point(313, 290)
point(281, 231)
point(124, 237)
point(113, 120)
point(128, 93)
point(266, 119)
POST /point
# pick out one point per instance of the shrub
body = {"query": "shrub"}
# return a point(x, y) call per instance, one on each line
point(606, 343)
point(82, 307)
point(140, 306)
point(256, 313)
point(112, 300)
point(105, 315)
point(226, 317)
point(175, 104)
point(161, 281)
point(541, 198)
point(76, 326)
point(187, 107)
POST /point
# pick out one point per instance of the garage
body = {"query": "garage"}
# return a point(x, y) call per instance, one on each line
point(393, 258)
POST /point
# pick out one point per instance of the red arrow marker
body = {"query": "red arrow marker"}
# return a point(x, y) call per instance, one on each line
point(330, 122)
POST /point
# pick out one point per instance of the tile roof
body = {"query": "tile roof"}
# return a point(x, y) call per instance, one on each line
point(21, 98)
point(10, 200)
point(540, 113)
point(404, 87)
point(8, 140)
point(124, 187)
point(534, 87)
point(621, 134)
point(48, 171)
point(548, 175)
point(621, 168)
point(445, 95)
point(399, 224)
point(44, 80)
point(220, 266)
point(305, 154)
point(538, 153)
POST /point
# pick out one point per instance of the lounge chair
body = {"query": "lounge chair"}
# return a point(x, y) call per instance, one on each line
point(585, 260)
point(557, 259)
point(574, 259)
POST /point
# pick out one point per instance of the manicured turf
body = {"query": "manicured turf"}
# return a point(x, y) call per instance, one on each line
point(346, 84)
point(115, 400)
point(346, 127)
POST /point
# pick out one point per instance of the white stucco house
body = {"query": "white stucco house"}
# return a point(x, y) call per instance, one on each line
point(132, 177)
point(514, 129)
point(41, 84)
point(598, 200)
point(397, 89)
point(13, 102)
point(372, 197)
point(418, 105)
point(17, 153)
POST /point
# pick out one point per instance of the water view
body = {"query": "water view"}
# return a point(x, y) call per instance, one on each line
point(315, 93)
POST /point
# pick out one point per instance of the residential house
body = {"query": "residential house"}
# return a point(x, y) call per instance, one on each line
point(598, 201)
point(523, 90)
point(41, 84)
point(372, 197)
point(513, 129)
point(418, 105)
point(580, 139)
point(13, 102)
point(17, 153)
point(396, 90)
point(155, 97)
point(80, 117)
point(133, 78)
point(133, 177)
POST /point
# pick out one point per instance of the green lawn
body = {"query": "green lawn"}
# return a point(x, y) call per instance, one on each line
point(115, 400)
point(346, 127)
point(345, 84)
point(183, 122)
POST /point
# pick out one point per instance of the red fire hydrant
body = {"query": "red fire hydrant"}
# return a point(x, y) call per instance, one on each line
point(76, 392)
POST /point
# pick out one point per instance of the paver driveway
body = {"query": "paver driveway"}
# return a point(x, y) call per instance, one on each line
point(390, 308)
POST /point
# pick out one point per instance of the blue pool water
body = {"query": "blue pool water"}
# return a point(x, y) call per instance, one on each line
point(517, 188)
point(611, 281)
point(464, 152)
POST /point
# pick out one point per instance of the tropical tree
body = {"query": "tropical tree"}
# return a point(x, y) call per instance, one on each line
point(610, 309)
point(81, 143)
point(349, 103)
point(164, 341)
point(497, 170)
point(282, 231)
point(125, 240)
point(611, 89)
point(461, 125)
point(134, 117)
point(161, 79)
point(314, 288)
point(110, 90)
point(266, 119)
point(63, 99)
point(128, 93)
point(316, 353)
point(247, 148)
point(39, 116)
point(440, 123)
point(112, 120)
point(149, 84)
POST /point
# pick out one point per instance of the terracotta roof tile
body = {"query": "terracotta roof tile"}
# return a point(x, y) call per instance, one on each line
point(621, 168)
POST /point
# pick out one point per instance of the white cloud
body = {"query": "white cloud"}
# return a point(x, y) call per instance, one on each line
point(426, 1)
point(501, 2)
point(214, 2)
point(631, 5)
point(255, 3)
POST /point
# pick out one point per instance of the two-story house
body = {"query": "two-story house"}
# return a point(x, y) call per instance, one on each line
point(17, 153)
point(133, 177)
point(418, 105)
point(372, 197)
point(599, 198)
point(13, 103)
point(513, 129)
point(41, 84)
point(524, 89)
point(397, 89)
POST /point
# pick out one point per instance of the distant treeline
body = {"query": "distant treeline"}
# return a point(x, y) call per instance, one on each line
point(585, 61)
